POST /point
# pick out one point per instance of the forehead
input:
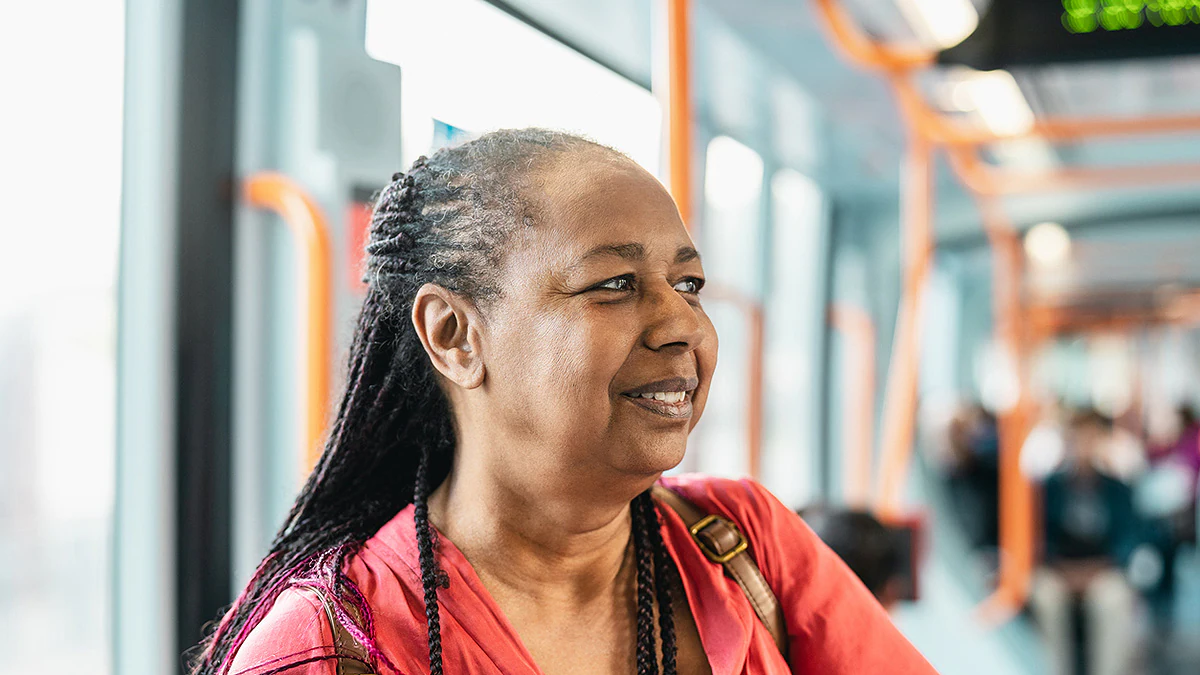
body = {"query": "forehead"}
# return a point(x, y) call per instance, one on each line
point(585, 200)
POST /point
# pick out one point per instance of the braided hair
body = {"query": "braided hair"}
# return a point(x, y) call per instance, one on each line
point(444, 222)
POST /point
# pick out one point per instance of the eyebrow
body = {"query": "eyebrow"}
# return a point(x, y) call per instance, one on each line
point(686, 254)
point(630, 251)
point(635, 251)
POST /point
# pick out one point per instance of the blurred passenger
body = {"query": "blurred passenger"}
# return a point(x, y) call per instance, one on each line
point(865, 545)
point(1123, 456)
point(974, 475)
point(1178, 461)
point(1090, 532)
point(1166, 500)
point(1184, 449)
point(1045, 447)
point(531, 356)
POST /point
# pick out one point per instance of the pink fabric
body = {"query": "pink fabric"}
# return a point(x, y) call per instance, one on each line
point(835, 625)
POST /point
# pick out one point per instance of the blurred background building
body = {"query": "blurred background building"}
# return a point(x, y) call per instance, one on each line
point(953, 248)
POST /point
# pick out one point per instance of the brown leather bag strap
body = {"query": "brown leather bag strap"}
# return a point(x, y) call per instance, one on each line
point(722, 542)
point(352, 656)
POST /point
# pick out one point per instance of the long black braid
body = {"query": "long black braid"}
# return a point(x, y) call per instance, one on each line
point(443, 222)
point(431, 577)
point(647, 645)
point(666, 579)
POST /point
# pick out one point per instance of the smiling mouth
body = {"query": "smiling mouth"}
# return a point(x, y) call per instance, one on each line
point(667, 398)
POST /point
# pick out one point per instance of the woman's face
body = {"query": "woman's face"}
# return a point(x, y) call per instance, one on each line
point(597, 354)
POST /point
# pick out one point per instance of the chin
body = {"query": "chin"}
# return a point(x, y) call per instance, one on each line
point(653, 458)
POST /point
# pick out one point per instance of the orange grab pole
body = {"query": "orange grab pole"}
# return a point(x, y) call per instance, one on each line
point(679, 148)
point(900, 398)
point(1017, 522)
point(858, 418)
point(277, 193)
point(679, 107)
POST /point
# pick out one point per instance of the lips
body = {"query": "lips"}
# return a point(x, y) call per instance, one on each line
point(670, 397)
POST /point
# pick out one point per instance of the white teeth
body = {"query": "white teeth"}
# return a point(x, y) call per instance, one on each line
point(666, 396)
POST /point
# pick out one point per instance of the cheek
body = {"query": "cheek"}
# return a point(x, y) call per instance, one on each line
point(706, 365)
point(559, 365)
point(584, 355)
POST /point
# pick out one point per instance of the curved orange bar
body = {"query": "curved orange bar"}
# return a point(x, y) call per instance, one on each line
point(861, 50)
point(278, 193)
point(940, 129)
point(1065, 129)
point(984, 180)
point(858, 417)
point(679, 107)
point(1053, 320)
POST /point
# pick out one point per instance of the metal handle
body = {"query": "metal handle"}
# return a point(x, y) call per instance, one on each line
point(304, 218)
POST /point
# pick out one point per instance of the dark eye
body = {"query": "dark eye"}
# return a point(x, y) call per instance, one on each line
point(622, 283)
point(690, 285)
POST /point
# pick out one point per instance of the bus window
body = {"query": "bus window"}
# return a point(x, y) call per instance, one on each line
point(58, 272)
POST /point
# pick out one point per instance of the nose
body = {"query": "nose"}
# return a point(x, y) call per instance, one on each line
point(671, 321)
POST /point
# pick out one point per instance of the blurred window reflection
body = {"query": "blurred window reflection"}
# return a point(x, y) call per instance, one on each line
point(731, 238)
point(793, 308)
point(62, 135)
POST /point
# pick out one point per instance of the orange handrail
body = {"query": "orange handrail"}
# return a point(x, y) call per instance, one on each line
point(958, 133)
point(1017, 530)
point(1066, 129)
point(861, 49)
point(982, 179)
point(1054, 321)
point(278, 193)
point(679, 107)
point(900, 398)
point(679, 151)
point(858, 416)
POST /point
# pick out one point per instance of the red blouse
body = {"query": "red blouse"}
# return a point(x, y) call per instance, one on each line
point(834, 624)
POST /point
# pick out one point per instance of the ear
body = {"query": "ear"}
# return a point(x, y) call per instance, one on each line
point(448, 327)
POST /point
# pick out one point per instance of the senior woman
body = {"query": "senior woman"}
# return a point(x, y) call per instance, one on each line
point(530, 358)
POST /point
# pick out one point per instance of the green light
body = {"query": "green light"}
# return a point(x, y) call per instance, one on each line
point(1085, 16)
